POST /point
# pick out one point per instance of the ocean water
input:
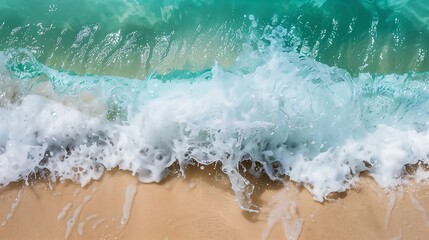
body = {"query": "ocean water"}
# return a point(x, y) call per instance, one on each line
point(316, 91)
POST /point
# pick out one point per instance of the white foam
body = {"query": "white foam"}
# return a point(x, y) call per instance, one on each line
point(13, 207)
point(64, 211)
point(284, 211)
point(87, 199)
point(390, 206)
point(293, 115)
point(93, 216)
point(95, 225)
point(80, 228)
point(421, 175)
point(81, 225)
point(420, 208)
point(128, 203)
point(72, 221)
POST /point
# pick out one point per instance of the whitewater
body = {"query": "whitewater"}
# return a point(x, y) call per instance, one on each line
point(274, 102)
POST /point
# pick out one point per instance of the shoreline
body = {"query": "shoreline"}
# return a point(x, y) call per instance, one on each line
point(202, 206)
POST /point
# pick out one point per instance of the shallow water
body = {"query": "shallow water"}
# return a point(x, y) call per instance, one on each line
point(319, 91)
point(136, 38)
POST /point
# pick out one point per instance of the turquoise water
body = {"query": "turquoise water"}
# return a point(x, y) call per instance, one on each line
point(319, 91)
point(136, 38)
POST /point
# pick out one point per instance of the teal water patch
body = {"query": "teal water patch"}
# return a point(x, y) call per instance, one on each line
point(136, 38)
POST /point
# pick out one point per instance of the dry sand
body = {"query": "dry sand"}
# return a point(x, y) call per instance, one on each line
point(203, 206)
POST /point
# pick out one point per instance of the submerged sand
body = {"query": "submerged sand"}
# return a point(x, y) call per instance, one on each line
point(202, 206)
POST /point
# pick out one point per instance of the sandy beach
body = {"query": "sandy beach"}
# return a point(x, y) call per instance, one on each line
point(202, 206)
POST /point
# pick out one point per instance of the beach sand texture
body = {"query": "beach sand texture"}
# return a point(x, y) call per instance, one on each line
point(202, 206)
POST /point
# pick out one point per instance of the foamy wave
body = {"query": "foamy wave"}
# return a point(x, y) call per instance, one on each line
point(293, 115)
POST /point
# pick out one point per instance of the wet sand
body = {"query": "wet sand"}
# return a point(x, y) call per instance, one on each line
point(203, 206)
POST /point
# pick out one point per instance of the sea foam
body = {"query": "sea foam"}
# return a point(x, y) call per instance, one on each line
point(276, 107)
